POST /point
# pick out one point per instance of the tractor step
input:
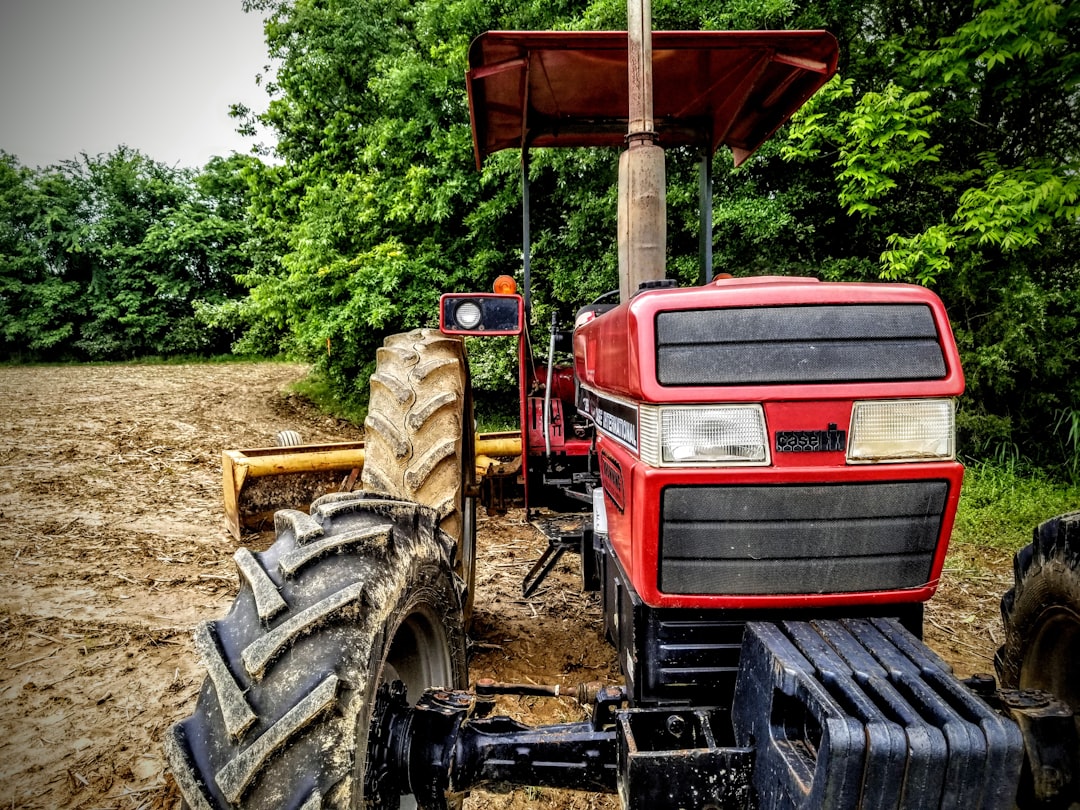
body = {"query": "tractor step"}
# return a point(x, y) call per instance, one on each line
point(564, 532)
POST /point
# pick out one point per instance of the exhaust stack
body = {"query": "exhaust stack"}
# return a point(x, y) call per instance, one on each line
point(642, 178)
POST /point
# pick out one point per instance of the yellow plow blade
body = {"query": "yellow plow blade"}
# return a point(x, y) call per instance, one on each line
point(257, 482)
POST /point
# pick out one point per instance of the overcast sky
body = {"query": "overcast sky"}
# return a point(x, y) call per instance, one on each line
point(157, 75)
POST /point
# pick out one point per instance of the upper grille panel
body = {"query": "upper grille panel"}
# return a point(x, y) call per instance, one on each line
point(806, 344)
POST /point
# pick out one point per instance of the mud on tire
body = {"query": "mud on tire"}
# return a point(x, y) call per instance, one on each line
point(358, 592)
point(1041, 614)
point(418, 436)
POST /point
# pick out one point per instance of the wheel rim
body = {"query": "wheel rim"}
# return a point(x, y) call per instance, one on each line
point(418, 657)
point(419, 654)
point(1052, 660)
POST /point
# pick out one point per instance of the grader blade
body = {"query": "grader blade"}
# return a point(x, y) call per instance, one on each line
point(256, 482)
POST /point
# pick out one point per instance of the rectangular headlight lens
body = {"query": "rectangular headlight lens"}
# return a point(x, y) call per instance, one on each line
point(713, 434)
point(902, 430)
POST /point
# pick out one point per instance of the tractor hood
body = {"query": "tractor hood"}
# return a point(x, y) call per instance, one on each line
point(770, 338)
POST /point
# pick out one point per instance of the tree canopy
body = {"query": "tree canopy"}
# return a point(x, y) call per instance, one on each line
point(108, 257)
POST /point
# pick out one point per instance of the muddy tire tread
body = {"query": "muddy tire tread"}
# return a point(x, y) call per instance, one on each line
point(276, 720)
point(238, 772)
point(235, 711)
point(258, 655)
point(268, 601)
point(362, 540)
point(1046, 585)
point(413, 441)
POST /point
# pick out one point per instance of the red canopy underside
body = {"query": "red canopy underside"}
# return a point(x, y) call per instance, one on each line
point(569, 88)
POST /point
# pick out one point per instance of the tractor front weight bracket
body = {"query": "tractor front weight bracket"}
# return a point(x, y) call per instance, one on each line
point(1051, 745)
point(445, 745)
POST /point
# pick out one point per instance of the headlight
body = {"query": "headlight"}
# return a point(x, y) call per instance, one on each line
point(902, 430)
point(703, 434)
point(467, 315)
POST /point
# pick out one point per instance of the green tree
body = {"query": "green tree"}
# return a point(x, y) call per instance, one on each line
point(50, 305)
point(198, 248)
point(38, 297)
point(374, 211)
point(378, 207)
point(109, 257)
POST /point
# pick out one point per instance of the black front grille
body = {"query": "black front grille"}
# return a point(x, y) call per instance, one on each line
point(794, 539)
point(806, 344)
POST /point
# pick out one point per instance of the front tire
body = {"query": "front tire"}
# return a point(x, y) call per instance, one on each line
point(358, 593)
point(419, 437)
point(1041, 614)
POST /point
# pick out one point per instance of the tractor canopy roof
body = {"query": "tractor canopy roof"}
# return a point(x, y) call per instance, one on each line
point(570, 88)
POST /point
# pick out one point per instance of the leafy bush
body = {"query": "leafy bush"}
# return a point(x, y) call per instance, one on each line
point(108, 257)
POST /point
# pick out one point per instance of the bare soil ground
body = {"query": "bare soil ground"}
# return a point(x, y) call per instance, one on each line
point(113, 549)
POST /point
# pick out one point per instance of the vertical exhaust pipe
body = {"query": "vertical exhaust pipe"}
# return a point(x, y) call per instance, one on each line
point(642, 180)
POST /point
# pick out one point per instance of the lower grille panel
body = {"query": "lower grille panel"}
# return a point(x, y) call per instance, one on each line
point(794, 539)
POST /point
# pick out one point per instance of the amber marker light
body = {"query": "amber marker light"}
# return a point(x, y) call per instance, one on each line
point(505, 285)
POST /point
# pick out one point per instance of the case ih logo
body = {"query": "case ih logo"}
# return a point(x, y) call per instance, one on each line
point(812, 441)
point(613, 418)
point(611, 475)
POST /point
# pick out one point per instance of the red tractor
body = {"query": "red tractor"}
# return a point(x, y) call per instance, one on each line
point(758, 474)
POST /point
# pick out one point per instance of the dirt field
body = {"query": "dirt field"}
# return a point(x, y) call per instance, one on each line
point(113, 549)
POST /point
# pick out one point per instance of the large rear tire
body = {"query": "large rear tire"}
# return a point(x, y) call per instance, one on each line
point(419, 438)
point(358, 593)
point(1041, 614)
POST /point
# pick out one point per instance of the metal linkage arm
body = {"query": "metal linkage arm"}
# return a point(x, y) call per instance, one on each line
point(443, 746)
point(500, 752)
